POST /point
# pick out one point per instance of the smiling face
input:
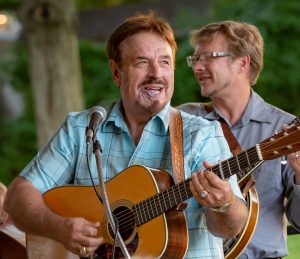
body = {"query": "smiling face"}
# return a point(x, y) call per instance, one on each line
point(145, 74)
point(217, 76)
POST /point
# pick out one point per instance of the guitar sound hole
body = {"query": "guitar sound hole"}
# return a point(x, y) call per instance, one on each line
point(125, 219)
point(126, 223)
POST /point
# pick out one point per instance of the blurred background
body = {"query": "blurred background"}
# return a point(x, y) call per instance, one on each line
point(53, 60)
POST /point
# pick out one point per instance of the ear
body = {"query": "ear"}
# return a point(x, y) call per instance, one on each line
point(115, 71)
point(244, 64)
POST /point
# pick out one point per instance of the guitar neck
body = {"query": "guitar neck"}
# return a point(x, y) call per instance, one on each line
point(170, 198)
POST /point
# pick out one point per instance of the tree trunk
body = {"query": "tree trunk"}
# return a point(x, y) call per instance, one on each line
point(50, 32)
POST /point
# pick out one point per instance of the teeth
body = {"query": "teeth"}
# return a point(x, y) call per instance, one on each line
point(203, 78)
point(153, 89)
point(148, 88)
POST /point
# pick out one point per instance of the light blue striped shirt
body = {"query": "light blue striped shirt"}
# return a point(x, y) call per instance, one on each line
point(63, 161)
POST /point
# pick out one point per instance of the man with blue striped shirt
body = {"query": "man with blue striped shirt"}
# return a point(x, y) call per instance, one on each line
point(136, 132)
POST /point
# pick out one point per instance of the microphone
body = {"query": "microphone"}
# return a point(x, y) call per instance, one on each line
point(97, 115)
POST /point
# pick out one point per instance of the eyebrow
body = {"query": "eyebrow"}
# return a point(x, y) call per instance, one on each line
point(163, 56)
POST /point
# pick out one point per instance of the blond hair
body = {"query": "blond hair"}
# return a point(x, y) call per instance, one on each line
point(243, 39)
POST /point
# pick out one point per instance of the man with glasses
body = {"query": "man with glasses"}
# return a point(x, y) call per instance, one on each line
point(227, 60)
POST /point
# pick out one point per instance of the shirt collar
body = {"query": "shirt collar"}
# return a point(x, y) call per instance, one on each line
point(256, 110)
point(115, 116)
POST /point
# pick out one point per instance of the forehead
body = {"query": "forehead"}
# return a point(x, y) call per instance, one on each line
point(144, 43)
point(218, 42)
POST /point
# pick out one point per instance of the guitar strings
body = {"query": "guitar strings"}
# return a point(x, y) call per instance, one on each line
point(146, 207)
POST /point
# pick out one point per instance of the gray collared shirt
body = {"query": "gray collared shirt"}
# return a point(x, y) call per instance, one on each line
point(274, 181)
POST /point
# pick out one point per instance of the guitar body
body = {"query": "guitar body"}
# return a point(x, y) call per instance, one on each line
point(235, 246)
point(164, 236)
point(12, 242)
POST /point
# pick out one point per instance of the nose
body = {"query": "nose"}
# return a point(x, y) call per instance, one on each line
point(198, 66)
point(154, 69)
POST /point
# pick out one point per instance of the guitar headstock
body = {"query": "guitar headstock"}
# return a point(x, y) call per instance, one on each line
point(282, 143)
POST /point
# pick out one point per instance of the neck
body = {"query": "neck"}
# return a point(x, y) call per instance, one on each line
point(225, 104)
point(136, 131)
point(136, 125)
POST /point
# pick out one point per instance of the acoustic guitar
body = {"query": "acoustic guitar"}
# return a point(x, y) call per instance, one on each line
point(144, 201)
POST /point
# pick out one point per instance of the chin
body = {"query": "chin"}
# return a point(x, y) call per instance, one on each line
point(155, 108)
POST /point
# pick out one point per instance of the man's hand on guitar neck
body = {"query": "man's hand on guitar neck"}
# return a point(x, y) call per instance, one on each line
point(226, 211)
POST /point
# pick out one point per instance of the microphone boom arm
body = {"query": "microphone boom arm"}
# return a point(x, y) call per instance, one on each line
point(109, 214)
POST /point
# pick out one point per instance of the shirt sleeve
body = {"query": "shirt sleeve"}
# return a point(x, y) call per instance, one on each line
point(54, 164)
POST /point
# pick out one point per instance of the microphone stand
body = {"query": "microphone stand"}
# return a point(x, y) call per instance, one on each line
point(97, 151)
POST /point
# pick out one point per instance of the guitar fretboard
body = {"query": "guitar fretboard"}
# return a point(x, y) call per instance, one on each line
point(170, 198)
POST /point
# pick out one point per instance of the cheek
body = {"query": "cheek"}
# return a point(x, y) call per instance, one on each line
point(171, 86)
point(134, 77)
point(128, 87)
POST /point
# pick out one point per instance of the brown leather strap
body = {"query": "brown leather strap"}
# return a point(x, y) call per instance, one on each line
point(176, 139)
point(234, 147)
point(231, 140)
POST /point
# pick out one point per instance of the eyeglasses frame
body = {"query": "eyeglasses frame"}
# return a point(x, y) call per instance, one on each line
point(206, 56)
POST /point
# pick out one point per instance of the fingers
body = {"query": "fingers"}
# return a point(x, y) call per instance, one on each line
point(89, 241)
point(294, 156)
point(90, 228)
point(209, 189)
point(89, 245)
point(207, 164)
point(81, 236)
point(208, 181)
point(294, 161)
point(199, 191)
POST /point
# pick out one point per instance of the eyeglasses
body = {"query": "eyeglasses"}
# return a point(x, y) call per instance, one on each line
point(206, 57)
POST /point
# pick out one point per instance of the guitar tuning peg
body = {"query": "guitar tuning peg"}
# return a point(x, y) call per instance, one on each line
point(283, 160)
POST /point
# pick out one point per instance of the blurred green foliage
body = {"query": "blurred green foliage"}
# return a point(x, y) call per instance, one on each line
point(9, 4)
point(91, 4)
point(96, 76)
point(279, 22)
point(17, 137)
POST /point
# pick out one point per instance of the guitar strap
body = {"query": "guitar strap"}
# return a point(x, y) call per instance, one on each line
point(175, 129)
point(233, 145)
